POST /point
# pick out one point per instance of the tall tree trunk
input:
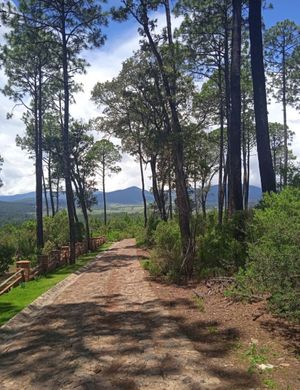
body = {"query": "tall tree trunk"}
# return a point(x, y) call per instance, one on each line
point(143, 187)
point(57, 195)
point(183, 203)
point(221, 148)
point(203, 199)
point(285, 160)
point(170, 193)
point(267, 175)
point(195, 196)
point(244, 152)
point(227, 177)
point(39, 165)
point(75, 217)
point(248, 173)
point(103, 191)
point(275, 160)
point(45, 195)
point(156, 192)
point(169, 84)
point(80, 194)
point(234, 134)
point(65, 138)
point(50, 186)
point(225, 184)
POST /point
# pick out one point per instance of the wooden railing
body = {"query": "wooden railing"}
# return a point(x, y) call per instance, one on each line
point(46, 263)
point(12, 281)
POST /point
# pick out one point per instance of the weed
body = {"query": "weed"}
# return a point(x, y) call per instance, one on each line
point(255, 355)
point(269, 383)
point(237, 345)
point(212, 329)
point(199, 302)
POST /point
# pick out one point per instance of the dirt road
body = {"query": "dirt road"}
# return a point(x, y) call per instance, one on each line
point(103, 328)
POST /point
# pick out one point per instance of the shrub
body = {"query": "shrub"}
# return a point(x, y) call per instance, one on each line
point(48, 247)
point(274, 251)
point(56, 229)
point(25, 238)
point(166, 255)
point(118, 226)
point(221, 249)
point(7, 251)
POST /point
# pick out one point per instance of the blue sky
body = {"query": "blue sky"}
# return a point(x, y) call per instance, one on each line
point(105, 63)
point(283, 9)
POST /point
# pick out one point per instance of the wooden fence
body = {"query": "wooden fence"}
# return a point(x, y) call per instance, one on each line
point(46, 263)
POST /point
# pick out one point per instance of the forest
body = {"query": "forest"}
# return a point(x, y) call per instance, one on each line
point(191, 105)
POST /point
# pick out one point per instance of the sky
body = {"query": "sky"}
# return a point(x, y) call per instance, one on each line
point(105, 63)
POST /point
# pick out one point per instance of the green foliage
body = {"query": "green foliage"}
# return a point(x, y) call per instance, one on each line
point(274, 253)
point(48, 247)
point(118, 227)
point(255, 355)
point(220, 249)
point(25, 240)
point(151, 266)
point(199, 302)
point(149, 232)
point(56, 229)
point(166, 255)
point(7, 251)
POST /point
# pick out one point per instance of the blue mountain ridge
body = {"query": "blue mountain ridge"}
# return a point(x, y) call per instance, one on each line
point(127, 196)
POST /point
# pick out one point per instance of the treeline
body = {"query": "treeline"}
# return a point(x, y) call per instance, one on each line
point(41, 58)
point(191, 104)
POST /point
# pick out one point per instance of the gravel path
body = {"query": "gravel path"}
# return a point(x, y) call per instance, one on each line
point(103, 328)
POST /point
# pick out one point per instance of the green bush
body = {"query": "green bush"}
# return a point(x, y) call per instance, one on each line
point(48, 247)
point(25, 239)
point(7, 251)
point(118, 227)
point(275, 250)
point(221, 249)
point(166, 256)
point(56, 229)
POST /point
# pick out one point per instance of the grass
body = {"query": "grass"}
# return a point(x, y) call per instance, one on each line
point(20, 297)
point(199, 302)
point(256, 355)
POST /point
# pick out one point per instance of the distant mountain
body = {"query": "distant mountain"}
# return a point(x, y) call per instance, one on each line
point(27, 197)
point(128, 196)
point(254, 195)
point(24, 204)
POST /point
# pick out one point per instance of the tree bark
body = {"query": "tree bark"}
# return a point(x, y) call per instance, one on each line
point(79, 187)
point(245, 139)
point(285, 159)
point(195, 196)
point(103, 191)
point(57, 195)
point(170, 194)
point(143, 187)
point(156, 193)
point(39, 163)
point(267, 175)
point(50, 186)
point(234, 134)
point(221, 150)
point(65, 138)
point(45, 195)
